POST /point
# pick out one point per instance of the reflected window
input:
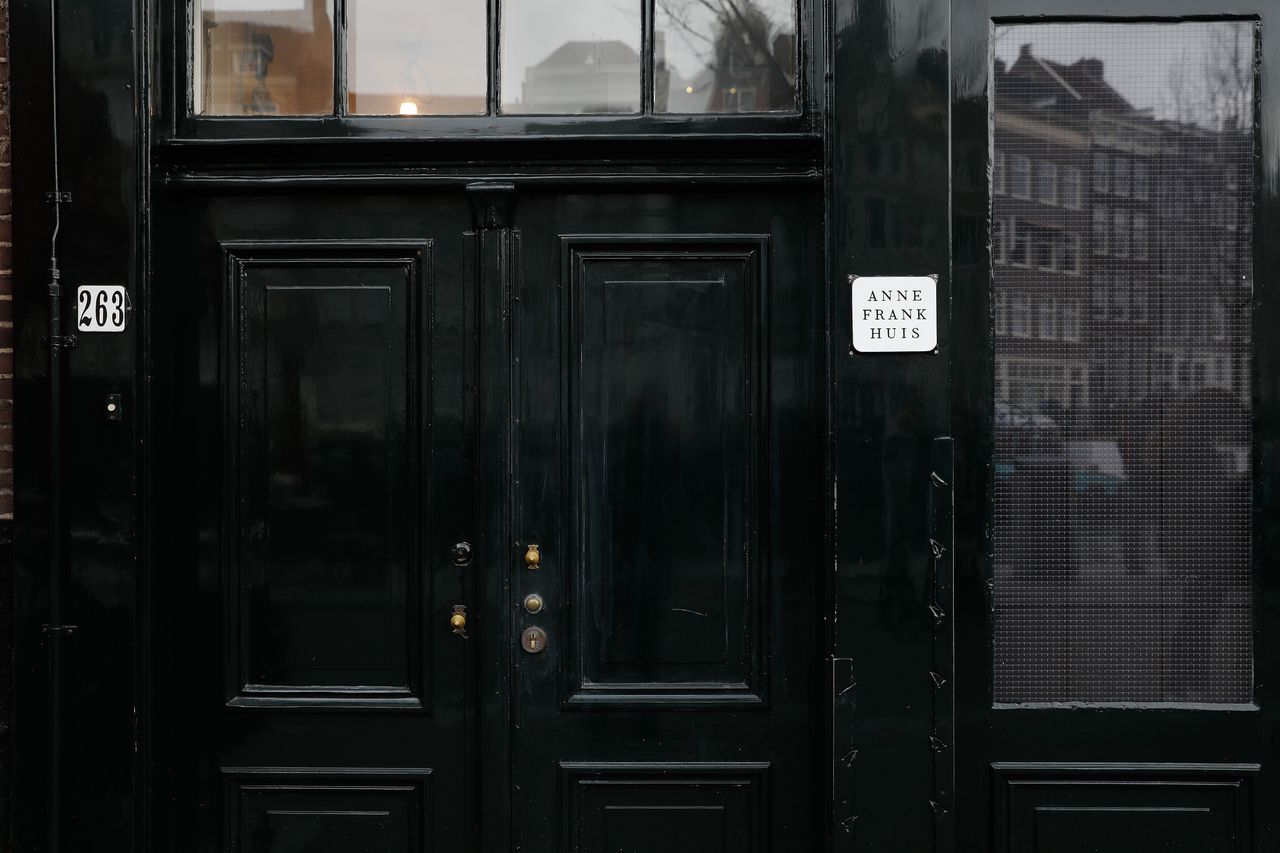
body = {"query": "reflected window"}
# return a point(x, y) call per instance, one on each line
point(570, 56)
point(1101, 172)
point(417, 57)
point(1069, 183)
point(1046, 182)
point(1101, 227)
point(263, 57)
point(1020, 176)
point(724, 56)
point(1120, 232)
point(1141, 181)
point(1120, 176)
point(1122, 415)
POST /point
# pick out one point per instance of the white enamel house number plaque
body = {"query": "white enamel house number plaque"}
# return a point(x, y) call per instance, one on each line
point(102, 308)
point(894, 313)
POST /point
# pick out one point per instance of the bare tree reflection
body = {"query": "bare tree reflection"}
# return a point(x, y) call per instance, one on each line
point(748, 52)
point(1215, 92)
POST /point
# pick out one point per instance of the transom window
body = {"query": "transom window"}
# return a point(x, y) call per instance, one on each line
point(432, 57)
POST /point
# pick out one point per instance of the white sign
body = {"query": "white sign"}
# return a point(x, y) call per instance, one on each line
point(102, 308)
point(895, 313)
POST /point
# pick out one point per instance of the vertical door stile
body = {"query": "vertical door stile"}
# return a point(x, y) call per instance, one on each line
point(491, 205)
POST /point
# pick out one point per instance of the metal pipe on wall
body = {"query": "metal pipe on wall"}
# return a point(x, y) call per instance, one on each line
point(55, 631)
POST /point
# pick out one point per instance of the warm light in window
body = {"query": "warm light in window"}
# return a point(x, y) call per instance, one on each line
point(408, 107)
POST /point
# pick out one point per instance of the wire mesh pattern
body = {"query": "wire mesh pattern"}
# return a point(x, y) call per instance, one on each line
point(1121, 242)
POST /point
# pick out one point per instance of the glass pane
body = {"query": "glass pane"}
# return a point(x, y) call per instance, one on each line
point(724, 56)
point(417, 57)
point(1123, 495)
point(570, 56)
point(264, 57)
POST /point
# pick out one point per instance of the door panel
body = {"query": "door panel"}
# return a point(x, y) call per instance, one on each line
point(662, 392)
point(667, 468)
point(274, 811)
point(325, 420)
point(320, 695)
point(678, 808)
point(1122, 808)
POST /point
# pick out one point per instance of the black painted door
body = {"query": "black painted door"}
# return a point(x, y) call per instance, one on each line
point(666, 391)
point(312, 422)
point(615, 406)
point(1115, 396)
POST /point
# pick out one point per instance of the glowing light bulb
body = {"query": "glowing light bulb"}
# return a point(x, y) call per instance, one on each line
point(688, 90)
point(408, 107)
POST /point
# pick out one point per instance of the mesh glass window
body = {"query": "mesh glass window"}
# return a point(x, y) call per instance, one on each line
point(1122, 408)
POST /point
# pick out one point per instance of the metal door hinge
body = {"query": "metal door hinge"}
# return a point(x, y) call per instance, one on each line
point(59, 630)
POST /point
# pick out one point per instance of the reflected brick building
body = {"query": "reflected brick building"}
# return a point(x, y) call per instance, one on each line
point(1099, 215)
point(1122, 278)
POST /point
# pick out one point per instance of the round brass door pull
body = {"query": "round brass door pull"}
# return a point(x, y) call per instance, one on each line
point(458, 621)
point(533, 603)
point(533, 557)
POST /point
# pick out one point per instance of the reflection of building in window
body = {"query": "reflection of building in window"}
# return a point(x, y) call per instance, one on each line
point(265, 57)
point(1058, 124)
point(584, 77)
point(1121, 270)
point(1027, 383)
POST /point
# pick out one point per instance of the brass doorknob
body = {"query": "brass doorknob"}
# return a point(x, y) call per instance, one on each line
point(533, 557)
point(458, 621)
point(533, 603)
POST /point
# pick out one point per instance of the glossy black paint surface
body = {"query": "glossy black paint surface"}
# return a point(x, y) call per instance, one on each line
point(102, 168)
point(1131, 755)
point(474, 291)
point(888, 202)
point(319, 554)
point(633, 681)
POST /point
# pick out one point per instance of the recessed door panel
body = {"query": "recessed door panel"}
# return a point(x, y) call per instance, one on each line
point(1120, 808)
point(324, 415)
point(662, 390)
point(328, 811)
point(677, 808)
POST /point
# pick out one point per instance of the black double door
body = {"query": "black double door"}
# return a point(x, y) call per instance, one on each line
point(504, 527)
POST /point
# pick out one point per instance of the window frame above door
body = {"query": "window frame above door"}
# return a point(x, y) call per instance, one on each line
point(178, 121)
